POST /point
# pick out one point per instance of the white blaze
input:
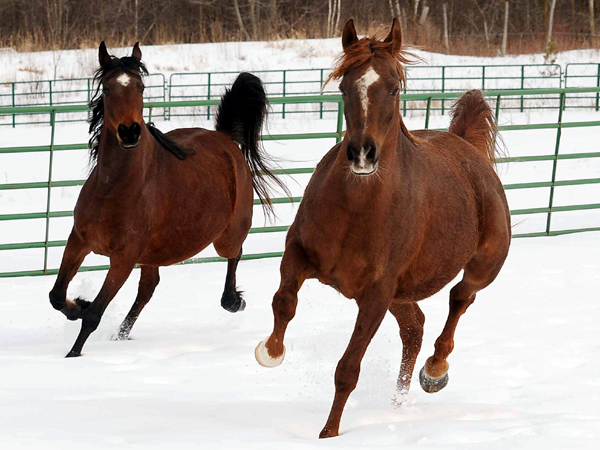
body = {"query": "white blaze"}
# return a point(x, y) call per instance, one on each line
point(123, 79)
point(363, 83)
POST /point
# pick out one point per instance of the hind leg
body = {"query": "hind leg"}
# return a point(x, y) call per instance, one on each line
point(479, 272)
point(232, 300)
point(410, 320)
point(149, 279)
point(229, 245)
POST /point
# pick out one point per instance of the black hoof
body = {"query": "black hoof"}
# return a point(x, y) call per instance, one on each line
point(72, 354)
point(431, 384)
point(233, 302)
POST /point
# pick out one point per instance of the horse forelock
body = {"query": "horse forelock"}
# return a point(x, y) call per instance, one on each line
point(365, 50)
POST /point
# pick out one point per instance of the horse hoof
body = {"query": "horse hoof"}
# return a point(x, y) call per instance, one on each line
point(431, 384)
point(72, 354)
point(233, 303)
point(263, 357)
point(326, 433)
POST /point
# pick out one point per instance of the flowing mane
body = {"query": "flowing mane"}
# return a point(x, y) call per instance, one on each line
point(365, 49)
point(134, 68)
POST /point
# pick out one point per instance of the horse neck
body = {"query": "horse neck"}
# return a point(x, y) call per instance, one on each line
point(119, 168)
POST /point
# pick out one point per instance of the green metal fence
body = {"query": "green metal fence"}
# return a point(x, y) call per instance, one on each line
point(583, 75)
point(209, 85)
point(495, 98)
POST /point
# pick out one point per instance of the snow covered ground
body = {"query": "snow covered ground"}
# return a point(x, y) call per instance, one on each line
point(524, 373)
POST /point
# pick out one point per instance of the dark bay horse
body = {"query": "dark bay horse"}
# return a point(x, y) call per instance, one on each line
point(154, 199)
point(389, 217)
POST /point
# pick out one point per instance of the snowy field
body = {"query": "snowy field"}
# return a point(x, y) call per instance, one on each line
point(524, 373)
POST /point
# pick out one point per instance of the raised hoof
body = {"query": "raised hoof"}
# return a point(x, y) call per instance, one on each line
point(264, 359)
point(431, 384)
point(72, 354)
point(74, 309)
point(233, 303)
point(325, 433)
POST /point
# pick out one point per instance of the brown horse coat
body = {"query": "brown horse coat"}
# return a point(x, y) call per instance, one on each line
point(389, 217)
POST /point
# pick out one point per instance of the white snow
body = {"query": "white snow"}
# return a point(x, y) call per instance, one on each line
point(524, 372)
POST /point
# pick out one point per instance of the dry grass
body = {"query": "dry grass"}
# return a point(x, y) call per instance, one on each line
point(428, 38)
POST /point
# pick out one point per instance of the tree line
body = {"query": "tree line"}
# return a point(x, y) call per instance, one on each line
point(458, 26)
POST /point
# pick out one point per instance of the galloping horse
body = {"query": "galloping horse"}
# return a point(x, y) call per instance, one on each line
point(154, 199)
point(391, 216)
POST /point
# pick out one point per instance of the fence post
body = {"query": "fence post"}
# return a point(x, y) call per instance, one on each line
point(13, 104)
point(555, 163)
point(50, 91)
point(208, 97)
point(340, 121)
point(427, 113)
point(482, 77)
point(522, 83)
point(321, 89)
point(497, 108)
point(443, 86)
point(50, 163)
point(283, 104)
point(598, 85)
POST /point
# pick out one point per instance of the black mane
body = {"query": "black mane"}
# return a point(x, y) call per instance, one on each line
point(135, 68)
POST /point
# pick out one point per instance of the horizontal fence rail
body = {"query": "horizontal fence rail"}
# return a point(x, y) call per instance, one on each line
point(494, 97)
point(295, 82)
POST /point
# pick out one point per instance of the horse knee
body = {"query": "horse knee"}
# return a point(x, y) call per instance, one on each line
point(57, 300)
point(284, 305)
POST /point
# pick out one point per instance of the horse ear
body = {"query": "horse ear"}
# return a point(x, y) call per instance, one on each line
point(103, 56)
point(137, 53)
point(395, 37)
point(349, 36)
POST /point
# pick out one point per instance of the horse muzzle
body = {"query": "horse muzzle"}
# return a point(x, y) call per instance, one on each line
point(363, 161)
point(129, 137)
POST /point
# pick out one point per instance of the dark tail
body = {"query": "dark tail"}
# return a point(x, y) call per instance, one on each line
point(241, 115)
point(473, 120)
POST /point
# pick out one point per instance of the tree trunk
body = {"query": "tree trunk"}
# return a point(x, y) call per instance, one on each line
point(238, 16)
point(253, 19)
point(550, 23)
point(592, 31)
point(505, 33)
point(446, 43)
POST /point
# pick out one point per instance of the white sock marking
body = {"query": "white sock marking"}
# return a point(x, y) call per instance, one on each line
point(363, 83)
point(123, 79)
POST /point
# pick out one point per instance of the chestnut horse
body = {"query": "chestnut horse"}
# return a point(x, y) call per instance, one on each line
point(154, 199)
point(390, 217)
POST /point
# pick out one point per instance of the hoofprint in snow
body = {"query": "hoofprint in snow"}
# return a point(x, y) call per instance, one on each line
point(524, 373)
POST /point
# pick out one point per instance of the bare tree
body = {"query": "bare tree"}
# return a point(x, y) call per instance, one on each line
point(550, 23)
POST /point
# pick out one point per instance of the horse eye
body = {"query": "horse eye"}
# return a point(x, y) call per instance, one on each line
point(105, 91)
point(142, 89)
point(342, 90)
point(394, 92)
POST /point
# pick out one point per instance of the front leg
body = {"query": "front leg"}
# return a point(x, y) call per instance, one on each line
point(372, 306)
point(73, 257)
point(120, 269)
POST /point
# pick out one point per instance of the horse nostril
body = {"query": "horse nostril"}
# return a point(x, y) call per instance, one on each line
point(136, 130)
point(371, 151)
point(122, 132)
point(351, 152)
